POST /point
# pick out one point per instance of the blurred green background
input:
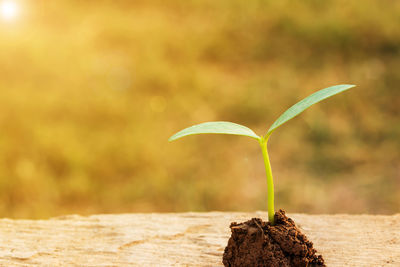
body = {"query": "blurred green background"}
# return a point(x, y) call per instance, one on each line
point(90, 91)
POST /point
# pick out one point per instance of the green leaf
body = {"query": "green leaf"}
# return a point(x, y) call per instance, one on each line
point(215, 127)
point(299, 107)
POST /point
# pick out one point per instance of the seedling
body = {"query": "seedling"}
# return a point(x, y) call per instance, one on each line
point(224, 127)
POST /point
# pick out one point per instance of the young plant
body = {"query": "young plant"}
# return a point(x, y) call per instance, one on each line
point(223, 127)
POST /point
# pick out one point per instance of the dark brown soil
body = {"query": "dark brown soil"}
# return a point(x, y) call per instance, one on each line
point(257, 243)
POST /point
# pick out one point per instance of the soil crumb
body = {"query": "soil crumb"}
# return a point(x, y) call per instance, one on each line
point(257, 243)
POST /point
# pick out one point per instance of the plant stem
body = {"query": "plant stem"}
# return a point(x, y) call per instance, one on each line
point(270, 181)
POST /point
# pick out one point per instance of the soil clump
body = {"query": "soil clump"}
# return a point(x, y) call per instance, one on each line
point(258, 243)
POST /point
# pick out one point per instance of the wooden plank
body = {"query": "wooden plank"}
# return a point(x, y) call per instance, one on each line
point(185, 239)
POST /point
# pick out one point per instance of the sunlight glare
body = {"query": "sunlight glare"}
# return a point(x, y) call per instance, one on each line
point(8, 10)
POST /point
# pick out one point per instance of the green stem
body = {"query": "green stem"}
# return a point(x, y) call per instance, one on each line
point(270, 181)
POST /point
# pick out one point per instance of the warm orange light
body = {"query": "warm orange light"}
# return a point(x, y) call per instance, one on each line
point(8, 10)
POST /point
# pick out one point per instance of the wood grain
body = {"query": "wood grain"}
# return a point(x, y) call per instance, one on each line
point(185, 239)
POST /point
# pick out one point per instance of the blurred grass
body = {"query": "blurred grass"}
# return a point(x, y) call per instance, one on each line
point(91, 90)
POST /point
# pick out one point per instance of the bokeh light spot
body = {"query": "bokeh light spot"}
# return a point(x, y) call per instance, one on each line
point(8, 10)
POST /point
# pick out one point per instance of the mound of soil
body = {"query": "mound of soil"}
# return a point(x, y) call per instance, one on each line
point(257, 243)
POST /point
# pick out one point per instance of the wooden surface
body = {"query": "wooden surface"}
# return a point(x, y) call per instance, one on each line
point(185, 239)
